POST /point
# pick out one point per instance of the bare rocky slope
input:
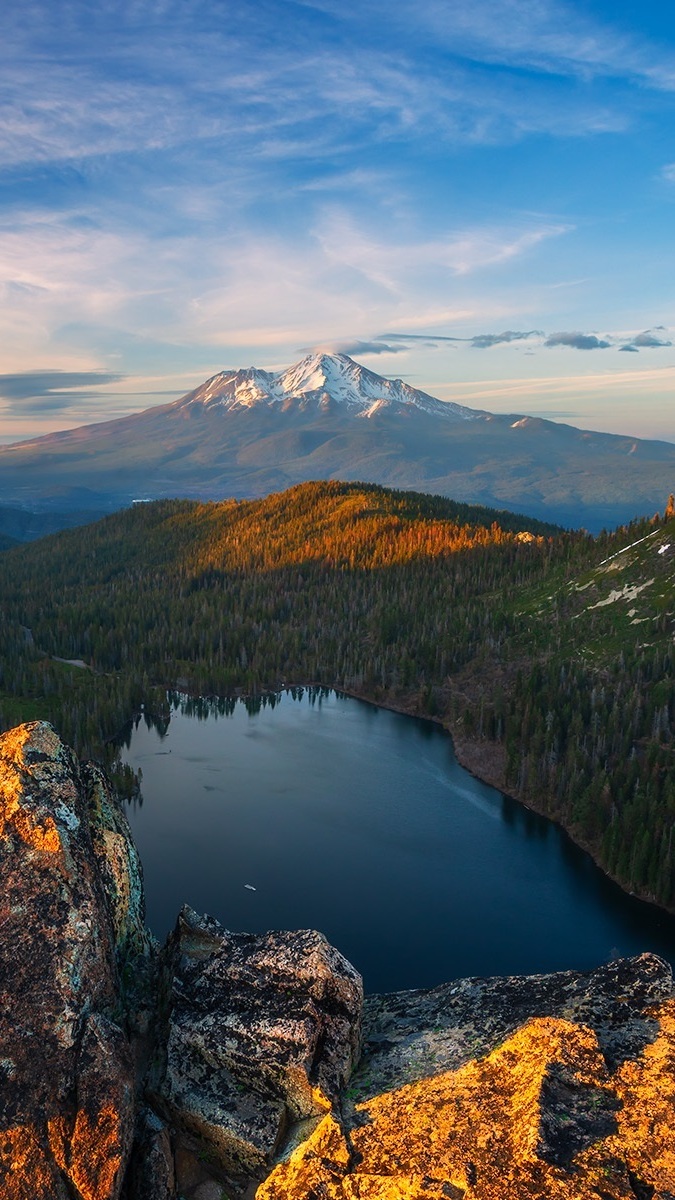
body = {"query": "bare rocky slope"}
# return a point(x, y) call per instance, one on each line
point(230, 1065)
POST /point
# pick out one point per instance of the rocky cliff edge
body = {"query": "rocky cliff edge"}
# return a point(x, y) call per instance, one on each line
point(230, 1066)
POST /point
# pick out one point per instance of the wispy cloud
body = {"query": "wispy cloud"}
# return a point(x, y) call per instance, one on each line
point(354, 348)
point(388, 264)
point(484, 341)
point(651, 338)
point(510, 395)
point(239, 287)
point(479, 341)
point(542, 35)
point(647, 340)
point(157, 79)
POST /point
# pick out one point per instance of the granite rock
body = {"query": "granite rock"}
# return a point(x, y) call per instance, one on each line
point(262, 1033)
point(151, 1173)
point(559, 1086)
point(119, 865)
point(66, 1071)
point(413, 1034)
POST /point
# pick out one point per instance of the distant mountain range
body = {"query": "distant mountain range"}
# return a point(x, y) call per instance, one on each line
point(249, 432)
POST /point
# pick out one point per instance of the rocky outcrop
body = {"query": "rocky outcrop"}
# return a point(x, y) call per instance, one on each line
point(558, 1086)
point(253, 1067)
point(261, 1037)
point(66, 1069)
point(119, 865)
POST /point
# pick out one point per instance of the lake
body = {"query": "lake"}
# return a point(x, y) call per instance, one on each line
point(359, 822)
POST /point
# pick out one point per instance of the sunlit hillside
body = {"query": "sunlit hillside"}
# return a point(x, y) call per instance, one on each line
point(547, 654)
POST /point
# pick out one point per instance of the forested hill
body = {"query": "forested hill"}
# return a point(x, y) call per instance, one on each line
point(335, 523)
point(548, 654)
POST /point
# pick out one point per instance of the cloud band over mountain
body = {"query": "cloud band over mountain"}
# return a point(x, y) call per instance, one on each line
point(395, 343)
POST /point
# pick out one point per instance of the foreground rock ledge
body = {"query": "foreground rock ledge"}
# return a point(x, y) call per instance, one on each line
point(71, 920)
point(229, 1067)
point(575, 1101)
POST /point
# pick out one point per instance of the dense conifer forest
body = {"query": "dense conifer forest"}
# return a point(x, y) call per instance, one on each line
point(550, 653)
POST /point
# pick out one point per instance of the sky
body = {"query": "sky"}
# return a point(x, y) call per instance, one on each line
point(477, 196)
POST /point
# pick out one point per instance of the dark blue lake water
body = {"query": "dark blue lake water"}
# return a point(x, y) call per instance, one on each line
point(360, 822)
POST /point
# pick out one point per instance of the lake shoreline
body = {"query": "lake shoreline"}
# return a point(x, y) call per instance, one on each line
point(482, 759)
point(471, 753)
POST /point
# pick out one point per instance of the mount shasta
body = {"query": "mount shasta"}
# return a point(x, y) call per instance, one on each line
point(249, 432)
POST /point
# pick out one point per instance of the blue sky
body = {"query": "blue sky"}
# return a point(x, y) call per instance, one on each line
point(476, 197)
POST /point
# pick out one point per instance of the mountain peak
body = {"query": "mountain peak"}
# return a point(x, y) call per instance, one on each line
point(320, 380)
point(337, 376)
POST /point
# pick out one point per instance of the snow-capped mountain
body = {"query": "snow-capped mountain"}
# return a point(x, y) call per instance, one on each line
point(247, 433)
point(319, 380)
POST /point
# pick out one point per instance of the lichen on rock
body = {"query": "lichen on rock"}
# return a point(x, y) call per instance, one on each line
point(572, 1101)
point(67, 1080)
point(119, 863)
point(263, 1031)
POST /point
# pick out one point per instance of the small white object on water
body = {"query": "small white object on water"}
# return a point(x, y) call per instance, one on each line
point(250, 888)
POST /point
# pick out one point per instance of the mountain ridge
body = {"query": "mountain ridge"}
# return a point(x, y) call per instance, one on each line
point(249, 433)
point(319, 379)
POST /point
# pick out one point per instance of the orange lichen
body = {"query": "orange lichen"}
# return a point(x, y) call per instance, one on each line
point(25, 1173)
point(96, 1153)
point(481, 1124)
point(481, 1131)
point(13, 742)
point(59, 1131)
point(646, 1087)
point(38, 834)
point(317, 1167)
point(89, 1152)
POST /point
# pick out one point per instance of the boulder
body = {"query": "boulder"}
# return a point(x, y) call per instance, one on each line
point(559, 1086)
point(262, 1033)
point(66, 1070)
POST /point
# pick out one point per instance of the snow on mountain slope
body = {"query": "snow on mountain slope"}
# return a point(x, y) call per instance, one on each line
point(319, 380)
